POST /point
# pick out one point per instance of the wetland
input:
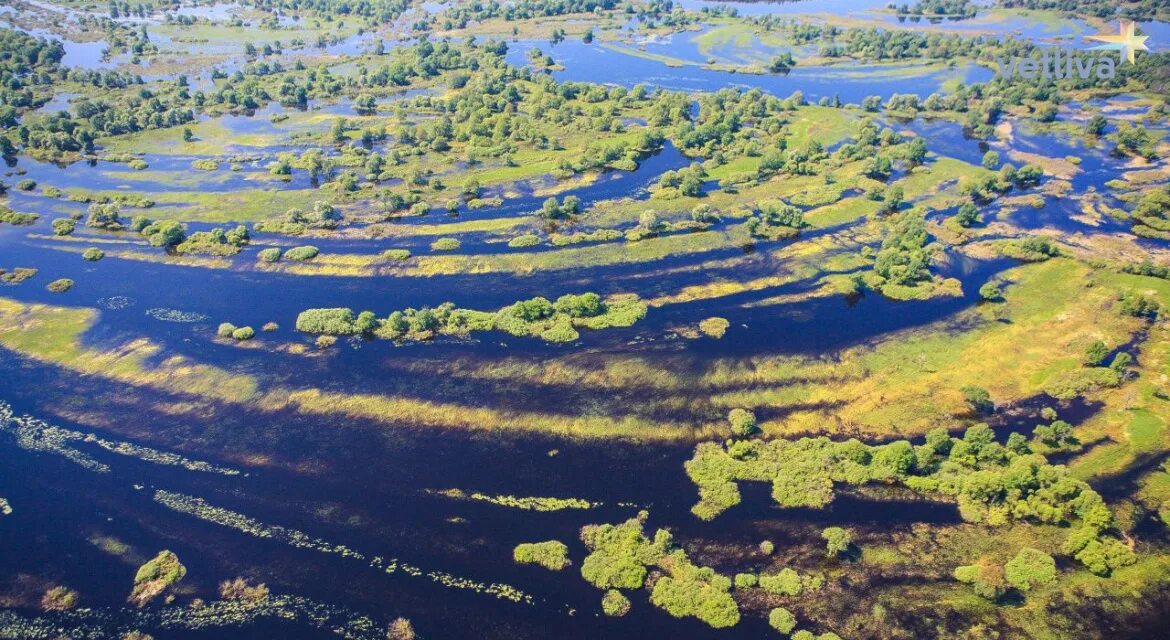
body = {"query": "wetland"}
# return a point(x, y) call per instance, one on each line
point(581, 318)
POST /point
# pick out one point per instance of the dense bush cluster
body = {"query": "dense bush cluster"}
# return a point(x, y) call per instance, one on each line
point(1151, 216)
point(621, 555)
point(992, 484)
point(552, 555)
point(216, 242)
point(536, 317)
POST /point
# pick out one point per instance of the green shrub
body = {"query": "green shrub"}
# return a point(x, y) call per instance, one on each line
point(269, 327)
point(205, 164)
point(225, 330)
point(138, 223)
point(445, 244)
point(138, 164)
point(11, 217)
point(271, 254)
point(396, 255)
point(156, 576)
point(336, 321)
point(714, 327)
point(620, 554)
point(561, 331)
point(64, 226)
point(746, 580)
point(1030, 568)
point(586, 305)
point(526, 240)
point(782, 620)
point(244, 333)
point(217, 242)
point(324, 342)
point(743, 422)
point(532, 309)
point(1031, 249)
point(93, 254)
point(990, 292)
point(614, 604)
point(59, 598)
point(986, 577)
point(837, 540)
point(785, 583)
point(689, 590)
point(301, 254)
point(1138, 305)
point(552, 555)
point(979, 398)
point(104, 216)
point(165, 233)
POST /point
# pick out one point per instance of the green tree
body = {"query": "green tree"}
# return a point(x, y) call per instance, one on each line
point(991, 160)
point(782, 620)
point(986, 577)
point(743, 422)
point(837, 541)
point(785, 583)
point(64, 226)
point(1096, 125)
point(968, 215)
point(1057, 435)
point(165, 233)
point(614, 604)
point(978, 398)
point(1030, 568)
point(1095, 354)
point(552, 555)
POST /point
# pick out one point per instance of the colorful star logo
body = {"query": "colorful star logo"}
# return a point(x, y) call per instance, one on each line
point(1126, 41)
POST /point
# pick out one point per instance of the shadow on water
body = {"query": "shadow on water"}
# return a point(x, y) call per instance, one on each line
point(365, 491)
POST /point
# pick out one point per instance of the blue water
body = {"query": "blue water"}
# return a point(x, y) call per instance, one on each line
point(852, 83)
point(801, 7)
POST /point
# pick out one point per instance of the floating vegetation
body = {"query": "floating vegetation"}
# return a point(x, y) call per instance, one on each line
point(203, 510)
point(114, 303)
point(517, 502)
point(102, 624)
point(175, 315)
point(5, 508)
point(36, 435)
